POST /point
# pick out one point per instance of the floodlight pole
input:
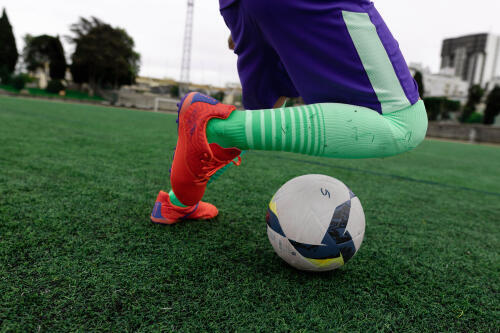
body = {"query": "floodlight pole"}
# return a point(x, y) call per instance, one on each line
point(186, 50)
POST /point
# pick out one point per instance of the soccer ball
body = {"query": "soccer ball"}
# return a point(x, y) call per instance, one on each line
point(315, 223)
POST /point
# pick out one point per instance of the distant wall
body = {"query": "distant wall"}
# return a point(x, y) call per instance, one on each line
point(464, 132)
point(144, 101)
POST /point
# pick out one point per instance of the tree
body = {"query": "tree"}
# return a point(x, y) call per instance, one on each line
point(439, 108)
point(219, 95)
point(8, 48)
point(492, 106)
point(475, 95)
point(58, 63)
point(45, 49)
point(104, 56)
point(420, 83)
point(19, 81)
point(54, 86)
point(174, 90)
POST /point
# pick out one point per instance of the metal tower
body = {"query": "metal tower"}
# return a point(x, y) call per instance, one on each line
point(186, 50)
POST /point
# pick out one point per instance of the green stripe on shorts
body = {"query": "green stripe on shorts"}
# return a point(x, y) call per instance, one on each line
point(376, 62)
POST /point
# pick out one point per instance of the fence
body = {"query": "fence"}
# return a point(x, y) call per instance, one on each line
point(146, 101)
point(464, 132)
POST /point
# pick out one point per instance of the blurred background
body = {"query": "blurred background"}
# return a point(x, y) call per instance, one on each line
point(145, 54)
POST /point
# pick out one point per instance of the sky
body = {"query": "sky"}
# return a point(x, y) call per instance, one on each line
point(157, 28)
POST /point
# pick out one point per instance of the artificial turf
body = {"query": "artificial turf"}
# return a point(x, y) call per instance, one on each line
point(78, 252)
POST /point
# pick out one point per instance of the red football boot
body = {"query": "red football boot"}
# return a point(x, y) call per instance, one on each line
point(164, 212)
point(195, 160)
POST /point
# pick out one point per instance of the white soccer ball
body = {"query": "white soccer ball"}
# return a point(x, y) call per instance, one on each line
point(315, 223)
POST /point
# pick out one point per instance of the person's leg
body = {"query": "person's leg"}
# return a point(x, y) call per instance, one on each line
point(329, 130)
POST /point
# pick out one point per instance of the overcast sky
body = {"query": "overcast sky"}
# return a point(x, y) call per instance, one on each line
point(157, 28)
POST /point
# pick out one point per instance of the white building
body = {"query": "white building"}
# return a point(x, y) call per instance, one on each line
point(443, 84)
point(494, 82)
point(474, 58)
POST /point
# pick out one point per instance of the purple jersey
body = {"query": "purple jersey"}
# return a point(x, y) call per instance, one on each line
point(327, 51)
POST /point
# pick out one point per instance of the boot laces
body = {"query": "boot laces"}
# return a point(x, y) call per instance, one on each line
point(210, 167)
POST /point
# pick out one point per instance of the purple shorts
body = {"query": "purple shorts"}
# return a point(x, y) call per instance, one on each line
point(326, 51)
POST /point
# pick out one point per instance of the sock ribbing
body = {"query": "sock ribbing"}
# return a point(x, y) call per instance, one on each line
point(297, 129)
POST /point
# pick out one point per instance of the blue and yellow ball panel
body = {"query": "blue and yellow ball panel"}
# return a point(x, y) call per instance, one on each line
point(272, 219)
point(337, 245)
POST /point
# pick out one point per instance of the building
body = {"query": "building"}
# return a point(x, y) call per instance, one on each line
point(442, 84)
point(473, 58)
point(495, 82)
point(41, 77)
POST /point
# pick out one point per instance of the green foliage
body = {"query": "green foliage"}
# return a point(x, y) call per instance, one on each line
point(80, 95)
point(492, 106)
point(219, 95)
point(8, 48)
point(4, 75)
point(420, 82)
point(8, 87)
point(440, 107)
point(476, 93)
point(36, 51)
point(70, 94)
point(45, 49)
point(474, 118)
point(104, 56)
point(19, 81)
point(78, 252)
point(55, 86)
point(174, 90)
point(467, 111)
point(57, 61)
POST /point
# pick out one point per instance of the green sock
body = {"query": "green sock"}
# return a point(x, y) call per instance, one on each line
point(174, 200)
point(328, 129)
point(228, 132)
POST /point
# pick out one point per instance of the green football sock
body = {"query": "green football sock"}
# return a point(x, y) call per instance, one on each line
point(174, 200)
point(328, 129)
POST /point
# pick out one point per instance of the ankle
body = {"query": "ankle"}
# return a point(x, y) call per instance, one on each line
point(174, 201)
point(215, 132)
point(227, 133)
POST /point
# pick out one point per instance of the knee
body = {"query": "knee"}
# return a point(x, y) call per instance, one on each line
point(418, 126)
point(409, 127)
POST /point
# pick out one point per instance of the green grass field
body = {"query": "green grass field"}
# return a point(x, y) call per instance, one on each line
point(78, 252)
